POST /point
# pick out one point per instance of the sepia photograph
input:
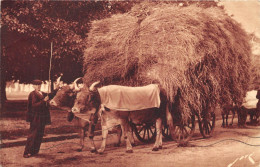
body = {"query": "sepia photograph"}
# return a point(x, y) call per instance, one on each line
point(130, 83)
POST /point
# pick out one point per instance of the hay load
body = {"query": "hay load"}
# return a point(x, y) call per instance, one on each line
point(200, 57)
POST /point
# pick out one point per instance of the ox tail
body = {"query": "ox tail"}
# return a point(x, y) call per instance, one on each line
point(169, 117)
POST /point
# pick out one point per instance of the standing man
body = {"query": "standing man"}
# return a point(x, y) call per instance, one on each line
point(38, 115)
point(258, 104)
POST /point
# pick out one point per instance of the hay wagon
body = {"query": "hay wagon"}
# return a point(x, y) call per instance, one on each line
point(183, 132)
point(146, 131)
point(200, 57)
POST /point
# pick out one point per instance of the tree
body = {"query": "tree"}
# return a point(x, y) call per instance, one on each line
point(28, 28)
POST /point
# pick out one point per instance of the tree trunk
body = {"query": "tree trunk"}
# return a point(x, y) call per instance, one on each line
point(3, 81)
point(52, 86)
point(3, 92)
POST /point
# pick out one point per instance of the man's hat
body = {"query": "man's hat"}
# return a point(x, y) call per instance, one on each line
point(36, 82)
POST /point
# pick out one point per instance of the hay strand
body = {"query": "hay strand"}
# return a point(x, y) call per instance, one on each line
point(198, 56)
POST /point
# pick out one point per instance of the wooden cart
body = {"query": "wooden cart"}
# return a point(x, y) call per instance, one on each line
point(181, 132)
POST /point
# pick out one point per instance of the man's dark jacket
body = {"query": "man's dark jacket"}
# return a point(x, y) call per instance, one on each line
point(38, 109)
point(258, 103)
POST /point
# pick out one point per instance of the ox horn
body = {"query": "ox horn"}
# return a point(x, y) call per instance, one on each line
point(91, 88)
point(58, 80)
point(76, 85)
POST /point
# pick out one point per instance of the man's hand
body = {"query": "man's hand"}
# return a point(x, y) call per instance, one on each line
point(46, 98)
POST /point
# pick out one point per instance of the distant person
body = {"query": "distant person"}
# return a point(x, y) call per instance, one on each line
point(38, 115)
point(258, 94)
point(258, 104)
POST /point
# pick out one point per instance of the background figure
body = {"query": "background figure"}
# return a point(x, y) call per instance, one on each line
point(38, 115)
point(258, 104)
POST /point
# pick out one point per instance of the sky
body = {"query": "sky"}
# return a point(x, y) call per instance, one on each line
point(246, 12)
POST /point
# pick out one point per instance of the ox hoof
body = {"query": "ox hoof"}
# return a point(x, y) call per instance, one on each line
point(93, 151)
point(183, 144)
point(117, 145)
point(79, 150)
point(100, 151)
point(242, 126)
point(129, 151)
point(155, 149)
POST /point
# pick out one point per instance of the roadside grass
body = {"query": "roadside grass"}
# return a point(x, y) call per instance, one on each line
point(19, 95)
point(13, 124)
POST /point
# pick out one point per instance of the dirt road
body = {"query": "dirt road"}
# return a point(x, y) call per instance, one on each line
point(228, 147)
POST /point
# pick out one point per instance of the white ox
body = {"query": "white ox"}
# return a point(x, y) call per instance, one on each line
point(123, 104)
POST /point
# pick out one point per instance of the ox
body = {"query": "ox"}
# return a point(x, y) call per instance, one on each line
point(64, 99)
point(115, 112)
point(225, 112)
point(250, 106)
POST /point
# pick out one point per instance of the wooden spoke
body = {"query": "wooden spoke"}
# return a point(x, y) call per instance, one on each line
point(151, 131)
point(166, 132)
point(145, 132)
point(182, 133)
point(186, 132)
point(148, 137)
point(207, 124)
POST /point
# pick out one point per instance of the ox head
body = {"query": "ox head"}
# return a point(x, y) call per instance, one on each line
point(66, 95)
point(87, 101)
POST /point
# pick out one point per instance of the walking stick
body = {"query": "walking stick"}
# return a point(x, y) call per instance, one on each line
point(50, 71)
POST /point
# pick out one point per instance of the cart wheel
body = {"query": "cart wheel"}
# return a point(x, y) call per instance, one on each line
point(166, 132)
point(145, 132)
point(207, 124)
point(182, 133)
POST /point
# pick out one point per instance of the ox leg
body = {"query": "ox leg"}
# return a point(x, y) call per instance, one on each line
point(251, 113)
point(258, 111)
point(257, 114)
point(233, 116)
point(227, 113)
point(92, 147)
point(239, 117)
point(158, 141)
point(169, 118)
point(223, 119)
point(125, 131)
point(131, 134)
point(242, 115)
point(82, 138)
point(119, 135)
point(104, 139)
point(91, 130)
point(91, 137)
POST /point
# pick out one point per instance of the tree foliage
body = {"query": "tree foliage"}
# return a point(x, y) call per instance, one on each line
point(28, 28)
